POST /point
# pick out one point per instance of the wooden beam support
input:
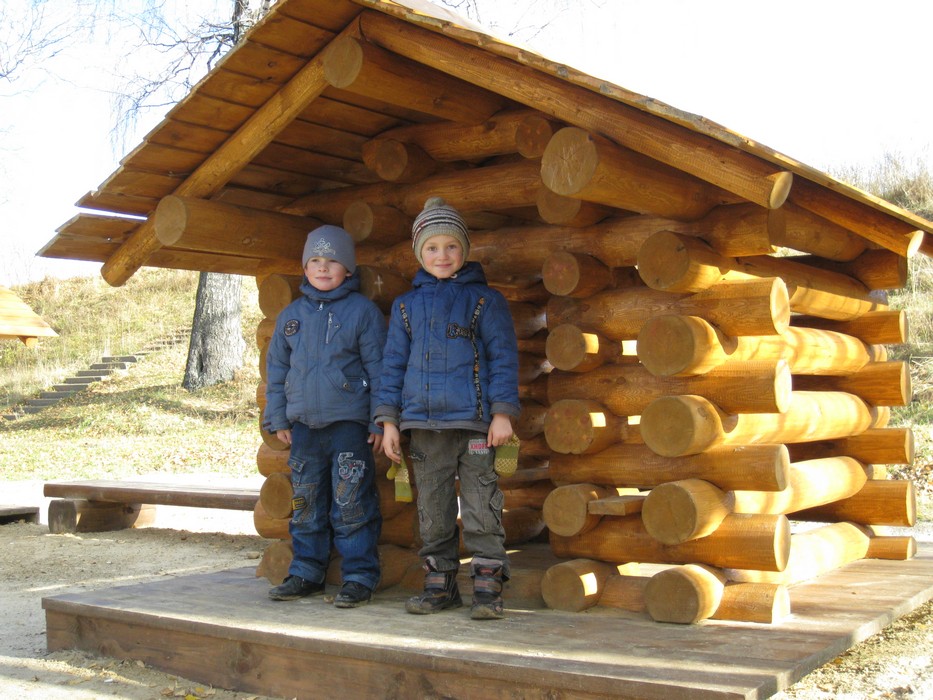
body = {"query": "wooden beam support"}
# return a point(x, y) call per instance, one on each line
point(760, 542)
point(357, 66)
point(876, 268)
point(580, 164)
point(750, 467)
point(877, 383)
point(882, 502)
point(741, 307)
point(225, 162)
point(888, 327)
point(398, 161)
point(674, 426)
point(626, 390)
point(676, 263)
point(376, 223)
point(523, 131)
point(874, 446)
point(204, 225)
point(727, 167)
point(897, 236)
point(677, 345)
point(806, 232)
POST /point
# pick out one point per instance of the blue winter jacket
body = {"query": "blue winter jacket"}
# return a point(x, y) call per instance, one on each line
point(451, 357)
point(324, 354)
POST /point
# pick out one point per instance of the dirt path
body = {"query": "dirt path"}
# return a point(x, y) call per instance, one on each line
point(897, 663)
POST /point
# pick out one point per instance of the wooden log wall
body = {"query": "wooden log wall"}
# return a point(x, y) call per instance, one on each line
point(723, 389)
point(687, 393)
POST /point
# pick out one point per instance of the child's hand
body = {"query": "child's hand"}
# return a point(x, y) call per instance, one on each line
point(375, 439)
point(284, 435)
point(391, 442)
point(500, 430)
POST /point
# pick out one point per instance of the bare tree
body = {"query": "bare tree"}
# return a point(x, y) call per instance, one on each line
point(216, 346)
point(215, 352)
point(27, 37)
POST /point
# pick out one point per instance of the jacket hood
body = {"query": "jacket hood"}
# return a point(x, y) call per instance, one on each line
point(470, 273)
point(351, 284)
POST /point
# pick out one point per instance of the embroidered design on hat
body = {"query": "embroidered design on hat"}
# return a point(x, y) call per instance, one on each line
point(322, 249)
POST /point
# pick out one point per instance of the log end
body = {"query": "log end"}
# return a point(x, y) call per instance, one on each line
point(674, 426)
point(683, 594)
point(673, 345)
point(569, 161)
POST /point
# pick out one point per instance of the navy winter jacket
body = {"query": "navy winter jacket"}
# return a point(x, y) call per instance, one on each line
point(451, 357)
point(324, 354)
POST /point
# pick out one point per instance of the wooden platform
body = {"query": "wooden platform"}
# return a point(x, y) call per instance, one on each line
point(222, 629)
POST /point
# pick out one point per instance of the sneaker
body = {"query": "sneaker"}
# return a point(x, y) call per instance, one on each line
point(294, 587)
point(440, 593)
point(352, 595)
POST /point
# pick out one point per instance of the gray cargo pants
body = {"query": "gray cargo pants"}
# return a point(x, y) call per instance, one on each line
point(438, 457)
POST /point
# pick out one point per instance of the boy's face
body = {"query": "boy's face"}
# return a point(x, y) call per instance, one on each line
point(442, 256)
point(325, 274)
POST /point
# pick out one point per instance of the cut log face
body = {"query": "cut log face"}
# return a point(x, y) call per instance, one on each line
point(566, 510)
point(575, 585)
point(684, 594)
point(575, 426)
point(679, 511)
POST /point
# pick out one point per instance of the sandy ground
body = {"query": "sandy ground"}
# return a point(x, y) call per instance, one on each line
point(896, 663)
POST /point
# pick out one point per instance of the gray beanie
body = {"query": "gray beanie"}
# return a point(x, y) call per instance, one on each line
point(330, 242)
point(438, 218)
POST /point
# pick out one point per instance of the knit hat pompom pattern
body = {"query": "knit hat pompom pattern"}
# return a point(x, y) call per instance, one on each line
point(438, 218)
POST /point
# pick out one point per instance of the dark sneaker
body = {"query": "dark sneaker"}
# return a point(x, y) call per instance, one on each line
point(487, 593)
point(440, 593)
point(294, 587)
point(352, 595)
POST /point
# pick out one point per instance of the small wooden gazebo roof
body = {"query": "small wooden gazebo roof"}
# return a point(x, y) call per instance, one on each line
point(284, 119)
point(19, 322)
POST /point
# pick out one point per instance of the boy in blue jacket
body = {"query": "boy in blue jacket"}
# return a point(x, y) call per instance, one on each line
point(450, 377)
point(324, 354)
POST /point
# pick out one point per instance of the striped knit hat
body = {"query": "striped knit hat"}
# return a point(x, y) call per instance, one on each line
point(438, 219)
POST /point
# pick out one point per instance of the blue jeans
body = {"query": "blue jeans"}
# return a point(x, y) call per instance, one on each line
point(335, 496)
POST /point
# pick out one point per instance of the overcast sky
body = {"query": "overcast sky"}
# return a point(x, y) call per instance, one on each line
point(831, 83)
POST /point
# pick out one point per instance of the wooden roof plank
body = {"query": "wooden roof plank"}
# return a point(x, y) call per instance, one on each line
point(729, 168)
point(229, 159)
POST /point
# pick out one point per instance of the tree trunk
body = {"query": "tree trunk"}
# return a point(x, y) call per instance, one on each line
point(216, 349)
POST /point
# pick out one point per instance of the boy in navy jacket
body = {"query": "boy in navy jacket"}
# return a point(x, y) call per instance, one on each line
point(450, 377)
point(324, 354)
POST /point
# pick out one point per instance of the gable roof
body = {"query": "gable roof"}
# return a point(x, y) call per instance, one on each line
point(19, 322)
point(273, 128)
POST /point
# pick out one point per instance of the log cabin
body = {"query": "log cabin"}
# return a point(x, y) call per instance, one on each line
point(702, 320)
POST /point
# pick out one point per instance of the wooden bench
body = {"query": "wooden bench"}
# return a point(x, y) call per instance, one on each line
point(13, 514)
point(102, 505)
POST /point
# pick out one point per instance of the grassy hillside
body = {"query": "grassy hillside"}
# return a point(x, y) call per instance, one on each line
point(140, 420)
